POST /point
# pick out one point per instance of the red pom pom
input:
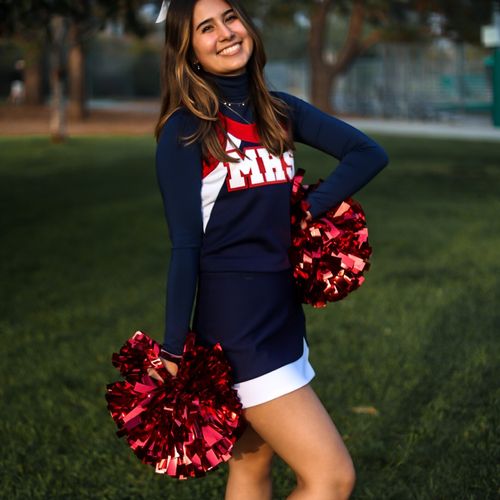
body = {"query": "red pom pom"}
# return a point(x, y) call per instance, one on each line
point(186, 425)
point(330, 255)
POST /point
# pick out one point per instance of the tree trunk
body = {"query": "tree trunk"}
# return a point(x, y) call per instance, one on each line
point(33, 78)
point(325, 73)
point(76, 65)
point(33, 46)
point(320, 69)
point(57, 74)
point(321, 87)
point(33, 82)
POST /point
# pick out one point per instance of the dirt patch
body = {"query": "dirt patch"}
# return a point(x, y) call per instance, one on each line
point(34, 120)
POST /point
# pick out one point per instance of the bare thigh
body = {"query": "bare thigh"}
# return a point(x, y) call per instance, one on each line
point(250, 468)
point(251, 453)
point(299, 429)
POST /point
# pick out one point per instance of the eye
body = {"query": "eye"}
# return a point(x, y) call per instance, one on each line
point(206, 28)
point(231, 18)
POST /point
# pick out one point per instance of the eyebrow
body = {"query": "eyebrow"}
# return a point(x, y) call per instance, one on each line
point(210, 19)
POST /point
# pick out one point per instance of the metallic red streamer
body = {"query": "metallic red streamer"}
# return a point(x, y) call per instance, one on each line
point(186, 425)
point(331, 254)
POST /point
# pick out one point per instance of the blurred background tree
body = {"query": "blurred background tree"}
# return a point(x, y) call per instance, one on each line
point(111, 50)
point(65, 27)
point(333, 47)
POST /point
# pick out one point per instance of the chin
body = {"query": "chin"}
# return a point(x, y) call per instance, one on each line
point(235, 68)
point(228, 70)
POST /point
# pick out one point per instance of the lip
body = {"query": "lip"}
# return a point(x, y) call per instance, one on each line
point(229, 46)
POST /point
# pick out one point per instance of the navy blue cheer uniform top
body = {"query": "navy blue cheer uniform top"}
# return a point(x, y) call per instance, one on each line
point(229, 225)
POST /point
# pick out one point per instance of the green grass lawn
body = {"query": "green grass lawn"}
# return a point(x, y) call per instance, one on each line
point(84, 253)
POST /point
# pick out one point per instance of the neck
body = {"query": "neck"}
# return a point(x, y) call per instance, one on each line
point(231, 88)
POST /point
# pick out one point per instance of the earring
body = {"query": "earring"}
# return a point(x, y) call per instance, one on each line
point(197, 66)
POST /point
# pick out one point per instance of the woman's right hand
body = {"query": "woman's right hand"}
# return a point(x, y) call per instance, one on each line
point(170, 366)
point(305, 220)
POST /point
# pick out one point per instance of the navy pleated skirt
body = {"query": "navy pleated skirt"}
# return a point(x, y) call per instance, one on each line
point(258, 319)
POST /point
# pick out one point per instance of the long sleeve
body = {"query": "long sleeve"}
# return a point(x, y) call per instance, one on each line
point(178, 170)
point(360, 157)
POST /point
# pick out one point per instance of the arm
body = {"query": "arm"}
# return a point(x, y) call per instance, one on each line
point(178, 170)
point(361, 158)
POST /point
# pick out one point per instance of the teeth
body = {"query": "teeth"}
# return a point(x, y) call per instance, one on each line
point(230, 50)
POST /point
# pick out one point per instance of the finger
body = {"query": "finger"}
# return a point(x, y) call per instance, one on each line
point(154, 374)
point(171, 367)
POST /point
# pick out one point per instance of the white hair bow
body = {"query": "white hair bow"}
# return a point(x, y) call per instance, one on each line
point(163, 12)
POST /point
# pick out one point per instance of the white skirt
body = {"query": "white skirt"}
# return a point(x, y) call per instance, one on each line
point(276, 383)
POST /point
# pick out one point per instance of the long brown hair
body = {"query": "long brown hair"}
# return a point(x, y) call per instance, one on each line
point(184, 86)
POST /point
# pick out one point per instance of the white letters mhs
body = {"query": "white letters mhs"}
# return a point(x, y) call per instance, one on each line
point(258, 168)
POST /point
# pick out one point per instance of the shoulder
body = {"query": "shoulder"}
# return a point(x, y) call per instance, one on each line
point(174, 146)
point(296, 106)
point(288, 99)
point(292, 101)
point(180, 123)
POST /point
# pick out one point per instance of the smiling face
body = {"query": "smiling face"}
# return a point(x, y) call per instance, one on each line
point(220, 41)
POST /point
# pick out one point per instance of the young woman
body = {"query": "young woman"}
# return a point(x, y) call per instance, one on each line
point(224, 165)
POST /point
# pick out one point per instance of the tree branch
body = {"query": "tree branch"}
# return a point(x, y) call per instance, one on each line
point(319, 18)
point(372, 39)
point(352, 45)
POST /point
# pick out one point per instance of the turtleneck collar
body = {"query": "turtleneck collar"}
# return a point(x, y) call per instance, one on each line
point(232, 88)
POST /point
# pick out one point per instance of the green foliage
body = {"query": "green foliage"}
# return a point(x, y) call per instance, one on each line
point(83, 259)
point(465, 18)
point(17, 16)
point(401, 19)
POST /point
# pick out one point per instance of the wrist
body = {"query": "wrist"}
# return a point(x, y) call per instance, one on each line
point(174, 358)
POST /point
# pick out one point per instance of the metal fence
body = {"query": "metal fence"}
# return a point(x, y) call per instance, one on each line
point(434, 81)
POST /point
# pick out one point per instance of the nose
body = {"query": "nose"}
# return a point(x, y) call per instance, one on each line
point(225, 32)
